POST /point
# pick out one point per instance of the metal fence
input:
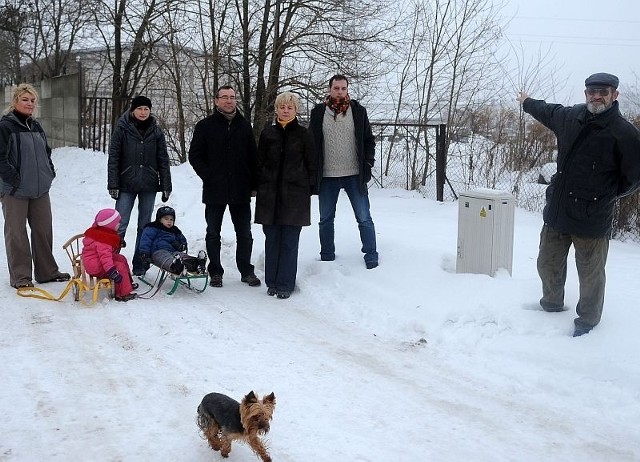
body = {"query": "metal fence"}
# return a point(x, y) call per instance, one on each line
point(411, 156)
point(482, 163)
point(95, 122)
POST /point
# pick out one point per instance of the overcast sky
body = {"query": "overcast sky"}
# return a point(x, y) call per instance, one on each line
point(582, 37)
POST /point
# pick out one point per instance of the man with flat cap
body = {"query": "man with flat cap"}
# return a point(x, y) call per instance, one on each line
point(598, 162)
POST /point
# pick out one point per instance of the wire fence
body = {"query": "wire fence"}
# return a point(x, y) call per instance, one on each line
point(406, 158)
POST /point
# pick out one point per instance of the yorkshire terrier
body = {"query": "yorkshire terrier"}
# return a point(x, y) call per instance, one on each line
point(222, 419)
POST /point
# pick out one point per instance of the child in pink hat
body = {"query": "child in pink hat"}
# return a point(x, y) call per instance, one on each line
point(101, 254)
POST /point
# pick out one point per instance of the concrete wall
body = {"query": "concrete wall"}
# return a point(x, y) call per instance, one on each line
point(58, 109)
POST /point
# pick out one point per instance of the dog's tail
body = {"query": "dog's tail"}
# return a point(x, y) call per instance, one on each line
point(204, 418)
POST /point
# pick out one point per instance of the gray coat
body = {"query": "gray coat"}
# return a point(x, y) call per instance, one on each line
point(26, 169)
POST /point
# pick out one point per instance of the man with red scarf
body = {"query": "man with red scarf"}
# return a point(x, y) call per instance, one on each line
point(346, 153)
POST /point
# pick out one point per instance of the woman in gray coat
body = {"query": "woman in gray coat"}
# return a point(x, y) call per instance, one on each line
point(26, 174)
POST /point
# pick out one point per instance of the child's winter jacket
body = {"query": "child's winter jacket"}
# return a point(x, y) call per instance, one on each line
point(155, 236)
point(100, 244)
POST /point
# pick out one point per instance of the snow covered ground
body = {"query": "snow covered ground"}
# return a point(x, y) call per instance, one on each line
point(407, 362)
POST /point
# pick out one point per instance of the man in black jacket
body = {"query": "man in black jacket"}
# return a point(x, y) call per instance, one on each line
point(598, 162)
point(223, 153)
point(346, 153)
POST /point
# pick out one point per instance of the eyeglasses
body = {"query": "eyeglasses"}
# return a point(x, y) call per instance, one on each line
point(227, 97)
point(592, 91)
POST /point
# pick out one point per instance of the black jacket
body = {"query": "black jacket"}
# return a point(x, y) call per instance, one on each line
point(26, 169)
point(224, 155)
point(365, 141)
point(598, 162)
point(138, 162)
point(287, 175)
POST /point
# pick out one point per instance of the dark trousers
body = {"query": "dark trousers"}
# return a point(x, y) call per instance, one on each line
point(591, 258)
point(281, 256)
point(241, 218)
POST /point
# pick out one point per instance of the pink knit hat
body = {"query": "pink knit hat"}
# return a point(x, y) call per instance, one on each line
point(109, 218)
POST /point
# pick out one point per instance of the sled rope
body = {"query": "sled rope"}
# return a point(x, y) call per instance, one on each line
point(154, 287)
point(41, 294)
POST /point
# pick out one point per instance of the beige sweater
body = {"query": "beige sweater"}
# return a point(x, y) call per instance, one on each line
point(340, 156)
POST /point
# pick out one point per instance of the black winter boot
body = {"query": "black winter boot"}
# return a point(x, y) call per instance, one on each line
point(176, 266)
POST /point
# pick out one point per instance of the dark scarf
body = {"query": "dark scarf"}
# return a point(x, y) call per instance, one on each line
point(25, 119)
point(105, 236)
point(227, 116)
point(141, 125)
point(338, 105)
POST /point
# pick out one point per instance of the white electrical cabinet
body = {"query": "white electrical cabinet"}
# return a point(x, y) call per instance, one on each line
point(485, 231)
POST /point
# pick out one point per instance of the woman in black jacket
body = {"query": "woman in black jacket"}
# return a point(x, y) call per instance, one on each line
point(138, 166)
point(287, 178)
point(26, 174)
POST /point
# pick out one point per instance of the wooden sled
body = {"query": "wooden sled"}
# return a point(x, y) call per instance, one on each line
point(83, 282)
point(85, 288)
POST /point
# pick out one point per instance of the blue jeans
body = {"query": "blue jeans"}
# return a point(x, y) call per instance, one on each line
point(241, 218)
point(329, 191)
point(124, 205)
point(281, 256)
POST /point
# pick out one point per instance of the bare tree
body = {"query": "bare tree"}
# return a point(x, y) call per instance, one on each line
point(56, 26)
point(215, 35)
point(14, 19)
point(446, 69)
point(294, 36)
point(129, 33)
point(175, 70)
point(630, 97)
point(400, 110)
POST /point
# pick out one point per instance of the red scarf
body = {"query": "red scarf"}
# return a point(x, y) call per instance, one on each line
point(338, 105)
point(105, 236)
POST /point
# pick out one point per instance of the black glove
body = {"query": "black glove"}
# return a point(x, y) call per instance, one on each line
point(367, 173)
point(165, 195)
point(114, 193)
point(114, 275)
point(179, 246)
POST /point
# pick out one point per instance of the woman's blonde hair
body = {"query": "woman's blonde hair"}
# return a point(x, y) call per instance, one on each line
point(286, 97)
point(18, 91)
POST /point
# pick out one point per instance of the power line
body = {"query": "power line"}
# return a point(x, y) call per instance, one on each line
point(578, 37)
point(566, 42)
point(600, 21)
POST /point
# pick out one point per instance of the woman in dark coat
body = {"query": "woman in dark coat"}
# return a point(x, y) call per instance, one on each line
point(287, 178)
point(138, 166)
